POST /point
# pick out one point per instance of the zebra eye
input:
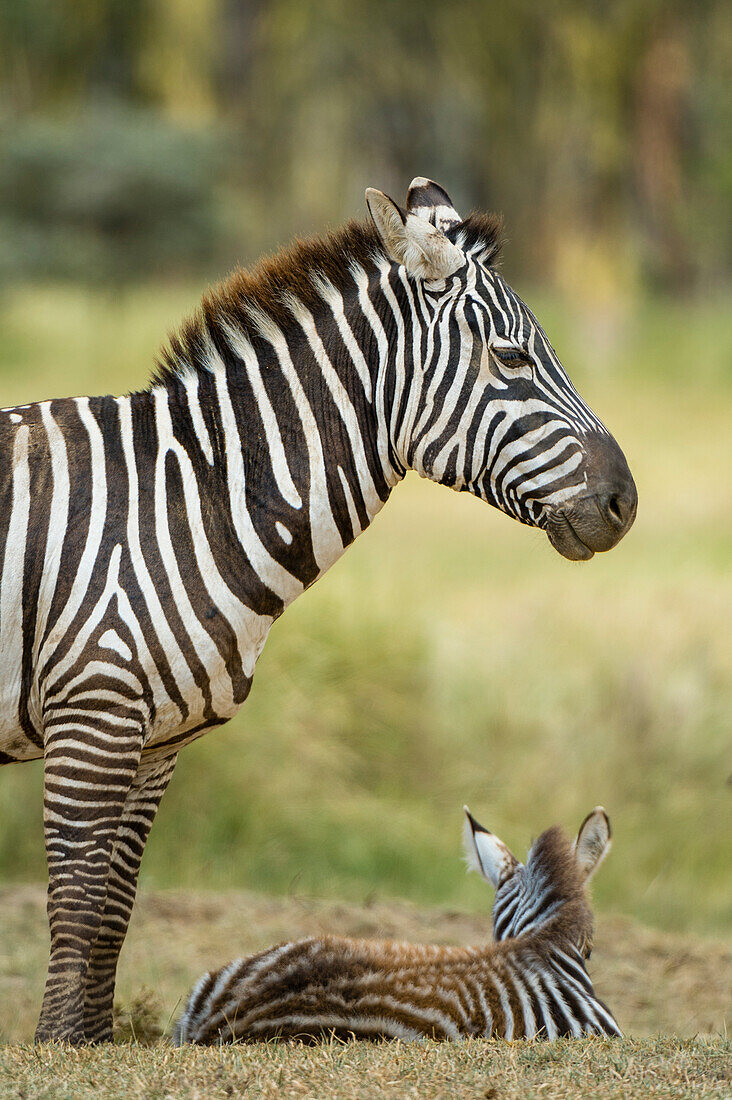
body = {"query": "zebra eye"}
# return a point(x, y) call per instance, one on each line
point(512, 357)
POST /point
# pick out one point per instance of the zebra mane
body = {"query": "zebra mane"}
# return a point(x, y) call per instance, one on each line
point(552, 870)
point(298, 271)
point(265, 289)
point(551, 857)
point(480, 235)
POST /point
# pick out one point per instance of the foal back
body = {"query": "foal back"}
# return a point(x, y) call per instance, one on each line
point(383, 990)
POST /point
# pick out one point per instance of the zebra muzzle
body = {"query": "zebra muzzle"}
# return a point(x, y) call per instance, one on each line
point(597, 520)
point(591, 524)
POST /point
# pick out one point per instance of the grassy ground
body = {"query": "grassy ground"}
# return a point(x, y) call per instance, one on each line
point(662, 1069)
point(655, 982)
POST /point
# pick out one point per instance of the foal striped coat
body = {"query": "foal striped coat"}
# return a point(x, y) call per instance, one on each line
point(531, 983)
point(148, 542)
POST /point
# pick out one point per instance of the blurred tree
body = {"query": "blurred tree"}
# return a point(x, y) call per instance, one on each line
point(662, 119)
point(600, 130)
point(112, 194)
point(175, 62)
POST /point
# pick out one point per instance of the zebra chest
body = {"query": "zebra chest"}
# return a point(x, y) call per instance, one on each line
point(185, 659)
point(200, 678)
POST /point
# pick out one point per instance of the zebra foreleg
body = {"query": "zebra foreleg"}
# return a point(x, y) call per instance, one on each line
point(147, 789)
point(86, 783)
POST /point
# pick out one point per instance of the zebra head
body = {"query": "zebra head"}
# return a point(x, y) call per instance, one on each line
point(549, 888)
point(491, 410)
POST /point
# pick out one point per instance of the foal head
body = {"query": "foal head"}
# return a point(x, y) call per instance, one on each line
point(547, 895)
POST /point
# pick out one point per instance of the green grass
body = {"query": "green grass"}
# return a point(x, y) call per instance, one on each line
point(452, 656)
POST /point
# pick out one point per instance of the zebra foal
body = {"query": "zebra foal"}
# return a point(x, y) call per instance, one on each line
point(148, 542)
point(531, 983)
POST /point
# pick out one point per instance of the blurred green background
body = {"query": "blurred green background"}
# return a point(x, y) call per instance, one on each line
point(451, 655)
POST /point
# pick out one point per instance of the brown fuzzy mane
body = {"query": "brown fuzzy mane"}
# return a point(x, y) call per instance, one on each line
point(264, 287)
point(290, 271)
point(552, 855)
point(552, 859)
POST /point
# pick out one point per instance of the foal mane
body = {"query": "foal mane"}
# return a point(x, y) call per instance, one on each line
point(551, 862)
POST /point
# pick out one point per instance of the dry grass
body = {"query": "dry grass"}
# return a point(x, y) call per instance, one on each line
point(656, 983)
point(666, 1069)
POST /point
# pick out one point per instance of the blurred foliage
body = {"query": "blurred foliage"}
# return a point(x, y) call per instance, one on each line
point(600, 130)
point(111, 194)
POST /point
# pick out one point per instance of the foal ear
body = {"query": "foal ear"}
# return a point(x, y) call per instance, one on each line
point(485, 853)
point(428, 200)
point(593, 841)
point(412, 241)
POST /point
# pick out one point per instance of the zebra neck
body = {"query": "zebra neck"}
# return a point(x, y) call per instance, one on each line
point(548, 990)
point(291, 431)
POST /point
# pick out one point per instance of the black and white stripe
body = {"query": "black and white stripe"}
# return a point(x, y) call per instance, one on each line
point(148, 542)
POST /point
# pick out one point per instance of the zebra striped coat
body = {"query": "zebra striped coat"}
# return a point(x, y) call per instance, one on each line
point(531, 983)
point(148, 542)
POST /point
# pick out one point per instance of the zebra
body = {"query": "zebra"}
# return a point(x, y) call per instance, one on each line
point(149, 541)
point(531, 983)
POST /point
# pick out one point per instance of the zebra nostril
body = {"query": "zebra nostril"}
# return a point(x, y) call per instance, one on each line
point(614, 509)
point(611, 488)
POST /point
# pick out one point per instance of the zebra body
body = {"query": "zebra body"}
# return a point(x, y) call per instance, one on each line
point(111, 588)
point(529, 984)
point(148, 542)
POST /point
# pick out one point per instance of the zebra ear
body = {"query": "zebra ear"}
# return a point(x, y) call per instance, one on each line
point(485, 853)
point(428, 200)
point(593, 841)
point(412, 241)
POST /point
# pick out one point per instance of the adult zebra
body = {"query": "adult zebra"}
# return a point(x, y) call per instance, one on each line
point(150, 541)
